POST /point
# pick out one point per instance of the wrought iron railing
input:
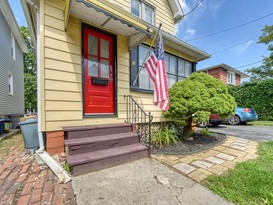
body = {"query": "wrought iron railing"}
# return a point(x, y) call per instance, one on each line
point(140, 121)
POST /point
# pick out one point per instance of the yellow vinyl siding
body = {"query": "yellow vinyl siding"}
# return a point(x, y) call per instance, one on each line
point(62, 74)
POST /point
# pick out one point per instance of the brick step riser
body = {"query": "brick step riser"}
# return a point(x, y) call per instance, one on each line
point(97, 132)
point(107, 163)
point(102, 145)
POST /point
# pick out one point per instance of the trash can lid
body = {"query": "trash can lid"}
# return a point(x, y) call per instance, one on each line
point(29, 121)
point(2, 120)
point(8, 120)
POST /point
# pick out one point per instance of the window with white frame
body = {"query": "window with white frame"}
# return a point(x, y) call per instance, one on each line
point(143, 10)
point(231, 78)
point(177, 69)
point(12, 44)
point(10, 83)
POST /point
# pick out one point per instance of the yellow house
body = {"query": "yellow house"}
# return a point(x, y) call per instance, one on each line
point(88, 54)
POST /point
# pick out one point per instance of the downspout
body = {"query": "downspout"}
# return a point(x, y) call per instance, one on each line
point(50, 162)
point(40, 134)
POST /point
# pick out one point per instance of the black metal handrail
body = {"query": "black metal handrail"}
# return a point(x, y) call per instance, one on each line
point(140, 121)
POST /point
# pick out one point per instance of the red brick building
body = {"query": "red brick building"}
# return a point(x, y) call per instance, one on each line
point(226, 73)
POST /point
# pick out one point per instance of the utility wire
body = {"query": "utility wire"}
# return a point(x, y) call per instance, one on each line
point(249, 64)
point(228, 29)
point(235, 45)
point(193, 8)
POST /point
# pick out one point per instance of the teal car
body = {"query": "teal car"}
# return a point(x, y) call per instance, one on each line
point(242, 116)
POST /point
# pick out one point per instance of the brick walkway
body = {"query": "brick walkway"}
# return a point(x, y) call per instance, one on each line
point(213, 161)
point(22, 181)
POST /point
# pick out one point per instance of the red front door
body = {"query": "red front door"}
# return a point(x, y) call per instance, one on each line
point(98, 73)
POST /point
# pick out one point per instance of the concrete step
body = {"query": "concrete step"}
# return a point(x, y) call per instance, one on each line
point(76, 132)
point(92, 144)
point(93, 161)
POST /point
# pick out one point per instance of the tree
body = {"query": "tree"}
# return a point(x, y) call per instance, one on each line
point(29, 58)
point(193, 99)
point(266, 69)
point(30, 68)
point(255, 94)
point(30, 91)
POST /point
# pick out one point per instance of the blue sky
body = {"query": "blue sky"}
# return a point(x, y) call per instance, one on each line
point(216, 15)
point(213, 16)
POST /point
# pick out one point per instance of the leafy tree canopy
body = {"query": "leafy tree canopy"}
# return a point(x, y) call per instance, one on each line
point(196, 97)
point(30, 67)
point(266, 69)
point(29, 58)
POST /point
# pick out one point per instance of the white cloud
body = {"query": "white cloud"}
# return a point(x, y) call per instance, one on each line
point(188, 24)
point(189, 34)
point(240, 49)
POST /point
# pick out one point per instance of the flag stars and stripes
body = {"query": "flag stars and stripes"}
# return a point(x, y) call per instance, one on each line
point(156, 68)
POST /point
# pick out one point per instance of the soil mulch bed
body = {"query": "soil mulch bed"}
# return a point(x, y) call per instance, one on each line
point(198, 142)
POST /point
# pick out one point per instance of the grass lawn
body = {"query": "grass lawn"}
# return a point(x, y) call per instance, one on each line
point(250, 182)
point(264, 123)
point(14, 141)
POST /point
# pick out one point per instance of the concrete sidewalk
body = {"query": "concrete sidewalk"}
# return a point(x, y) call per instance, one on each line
point(145, 181)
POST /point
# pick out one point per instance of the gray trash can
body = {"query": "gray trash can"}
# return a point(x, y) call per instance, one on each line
point(15, 120)
point(29, 130)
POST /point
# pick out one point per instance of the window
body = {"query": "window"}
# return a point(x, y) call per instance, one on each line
point(142, 10)
point(12, 43)
point(231, 78)
point(177, 69)
point(10, 83)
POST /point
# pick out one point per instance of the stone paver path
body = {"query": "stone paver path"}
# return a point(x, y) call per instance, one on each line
point(23, 182)
point(213, 161)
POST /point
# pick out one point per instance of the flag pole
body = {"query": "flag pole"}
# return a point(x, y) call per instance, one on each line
point(134, 82)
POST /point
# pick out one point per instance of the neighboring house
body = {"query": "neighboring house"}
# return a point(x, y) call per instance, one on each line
point(227, 74)
point(89, 53)
point(12, 46)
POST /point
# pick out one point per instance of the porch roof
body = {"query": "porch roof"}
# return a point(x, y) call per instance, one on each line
point(115, 19)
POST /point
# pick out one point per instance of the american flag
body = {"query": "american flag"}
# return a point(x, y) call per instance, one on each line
point(156, 68)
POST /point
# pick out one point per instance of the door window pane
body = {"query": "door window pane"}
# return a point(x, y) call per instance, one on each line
point(104, 48)
point(136, 7)
point(93, 66)
point(173, 64)
point(92, 45)
point(149, 14)
point(104, 68)
point(187, 69)
point(181, 67)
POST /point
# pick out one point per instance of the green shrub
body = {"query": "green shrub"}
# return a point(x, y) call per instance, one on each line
point(204, 131)
point(165, 135)
point(255, 94)
point(196, 97)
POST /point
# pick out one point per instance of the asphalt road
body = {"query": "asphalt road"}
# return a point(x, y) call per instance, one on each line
point(251, 132)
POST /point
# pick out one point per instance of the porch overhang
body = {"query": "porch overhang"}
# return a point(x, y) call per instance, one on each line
point(108, 16)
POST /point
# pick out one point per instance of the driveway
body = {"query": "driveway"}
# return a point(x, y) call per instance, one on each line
point(250, 132)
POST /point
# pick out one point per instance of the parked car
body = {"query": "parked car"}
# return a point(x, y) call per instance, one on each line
point(243, 115)
point(214, 120)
